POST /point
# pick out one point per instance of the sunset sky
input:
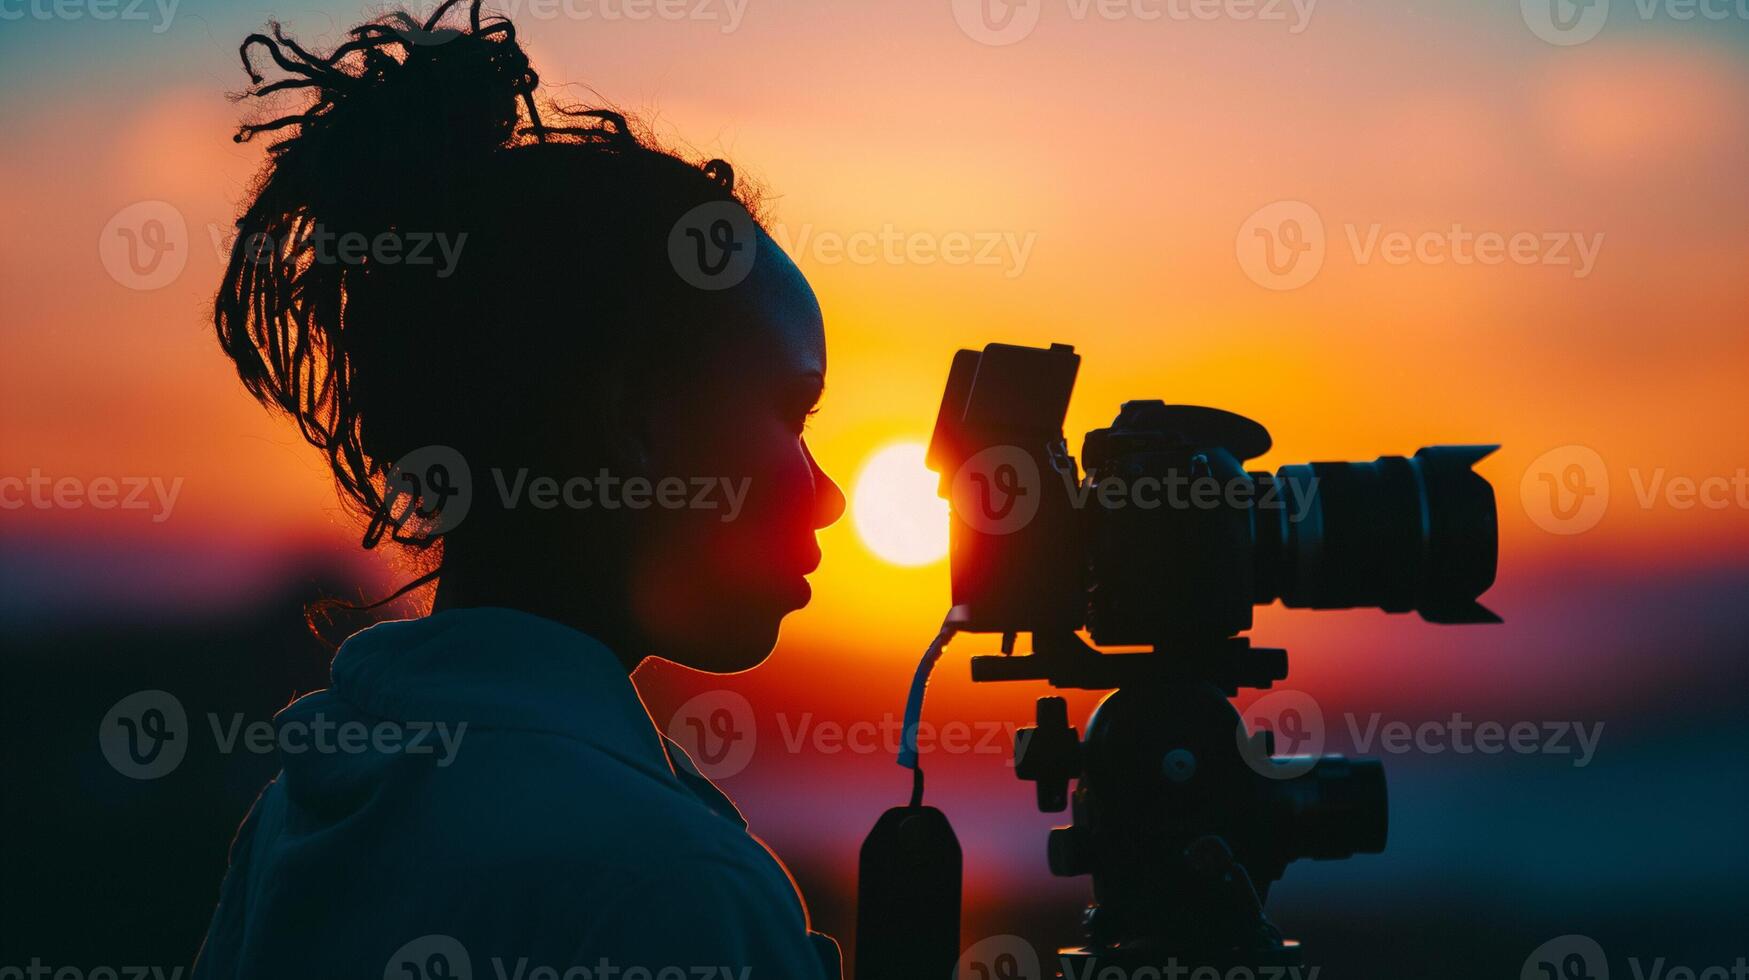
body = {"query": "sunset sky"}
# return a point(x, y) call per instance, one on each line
point(1110, 170)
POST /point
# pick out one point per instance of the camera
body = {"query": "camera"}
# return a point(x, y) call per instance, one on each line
point(1183, 815)
point(1167, 538)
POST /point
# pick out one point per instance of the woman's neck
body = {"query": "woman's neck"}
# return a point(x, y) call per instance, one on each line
point(576, 604)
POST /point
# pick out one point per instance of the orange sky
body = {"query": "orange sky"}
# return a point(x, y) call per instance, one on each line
point(1127, 156)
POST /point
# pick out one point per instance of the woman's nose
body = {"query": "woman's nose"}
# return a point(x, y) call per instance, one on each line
point(828, 498)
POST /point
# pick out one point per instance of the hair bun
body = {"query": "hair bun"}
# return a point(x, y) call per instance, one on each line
point(399, 97)
point(415, 134)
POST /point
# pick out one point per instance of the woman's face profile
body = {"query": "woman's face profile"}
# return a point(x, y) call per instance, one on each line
point(712, 579)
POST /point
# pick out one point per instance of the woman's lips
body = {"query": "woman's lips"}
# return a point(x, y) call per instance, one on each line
point(799, 592)
point(795, 589)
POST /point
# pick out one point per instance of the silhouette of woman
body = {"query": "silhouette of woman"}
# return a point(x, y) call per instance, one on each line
point(571, 372)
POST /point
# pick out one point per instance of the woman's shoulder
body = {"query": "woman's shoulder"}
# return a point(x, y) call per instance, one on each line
point(554, 795)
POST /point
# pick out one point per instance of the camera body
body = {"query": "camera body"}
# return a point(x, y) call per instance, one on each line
point(1167, 539)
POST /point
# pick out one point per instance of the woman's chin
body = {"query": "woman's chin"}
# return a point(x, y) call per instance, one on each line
point(730, 648)
point(719, 628)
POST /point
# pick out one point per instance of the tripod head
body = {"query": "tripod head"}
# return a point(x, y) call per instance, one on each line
point(1181, 816)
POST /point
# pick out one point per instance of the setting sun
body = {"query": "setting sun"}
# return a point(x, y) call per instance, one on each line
point(895, 509)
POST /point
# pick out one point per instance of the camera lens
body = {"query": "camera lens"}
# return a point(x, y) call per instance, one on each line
point(1400, 533)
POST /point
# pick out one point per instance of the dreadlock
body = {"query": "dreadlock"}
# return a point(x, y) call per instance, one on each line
point(434, 127)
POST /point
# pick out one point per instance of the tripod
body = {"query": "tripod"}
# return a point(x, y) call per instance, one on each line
point(1182, 818)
